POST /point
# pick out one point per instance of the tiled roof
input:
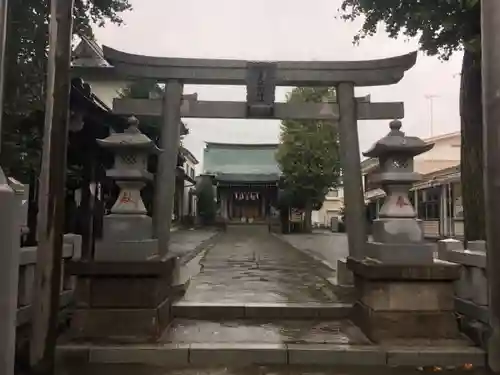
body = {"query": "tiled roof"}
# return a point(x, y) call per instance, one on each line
point(244, 162)
point(88, 54)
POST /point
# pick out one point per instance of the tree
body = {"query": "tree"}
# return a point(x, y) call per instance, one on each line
point(308, 154)
point(26, 61)
point(206, 205)
point(443, 27)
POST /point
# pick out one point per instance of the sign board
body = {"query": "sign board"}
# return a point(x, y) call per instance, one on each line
point(261, 87)
point(295, 216)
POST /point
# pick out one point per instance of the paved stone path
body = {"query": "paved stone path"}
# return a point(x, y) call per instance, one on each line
point(183, 241)
point(248, 264)
point(322, 244)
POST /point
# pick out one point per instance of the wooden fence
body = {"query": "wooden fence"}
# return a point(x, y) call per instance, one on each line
point(27, 265)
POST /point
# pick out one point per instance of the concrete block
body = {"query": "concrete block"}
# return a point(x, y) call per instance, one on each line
point(121, 325)
point(444, 246)
point(470, 258)
point(407, 296)
point(326, 354)
point(463, 286)
point(237, 354)
point(344, 274)
point(164, 355)
point(436, 356)
point(479, 245)
point(479, 285)
point(125, 251)
point(127, 227)
point(401, 254)
point(472, 310)
point(74, 240)
point(388, 325)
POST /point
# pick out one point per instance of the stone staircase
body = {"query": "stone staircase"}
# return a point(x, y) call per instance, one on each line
point(226, 336)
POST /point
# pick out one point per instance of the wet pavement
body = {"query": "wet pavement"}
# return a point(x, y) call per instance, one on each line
point(248, 264)
point(321, 244)
point(184, 241)
point(338, 332)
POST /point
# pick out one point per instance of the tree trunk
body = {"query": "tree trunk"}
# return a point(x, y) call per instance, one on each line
point(472, 146)
point(308, 217)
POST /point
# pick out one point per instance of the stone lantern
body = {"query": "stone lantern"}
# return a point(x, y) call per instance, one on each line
point(128, 224)
point(403, 293)
point(397, 234)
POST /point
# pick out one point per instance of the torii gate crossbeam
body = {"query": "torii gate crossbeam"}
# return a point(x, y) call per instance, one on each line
point(261, 79)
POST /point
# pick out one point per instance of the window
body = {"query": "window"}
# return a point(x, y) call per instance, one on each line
point(191, 173)
point(429, 203)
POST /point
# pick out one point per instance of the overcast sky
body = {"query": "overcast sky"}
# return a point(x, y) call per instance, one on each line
point(282, 30)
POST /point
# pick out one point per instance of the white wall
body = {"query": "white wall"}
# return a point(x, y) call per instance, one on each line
point(107, 91)
point(190, 169)
point(444, 149)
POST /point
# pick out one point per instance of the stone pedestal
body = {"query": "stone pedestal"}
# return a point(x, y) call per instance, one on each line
point(122, 302)
point(405, 301)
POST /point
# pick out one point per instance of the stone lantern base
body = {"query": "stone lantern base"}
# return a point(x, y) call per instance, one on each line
point(122, 302)
point(405, 301)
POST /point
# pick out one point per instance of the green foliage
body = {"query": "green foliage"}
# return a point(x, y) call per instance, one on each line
point(149, 89)
point(442, 26)
point(25, 73)
point(308, 154)
point(206, 204)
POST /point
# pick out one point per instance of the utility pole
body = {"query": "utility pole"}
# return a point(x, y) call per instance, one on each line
point(431, 98)
point(45, 306)
point(9, 237)
point(490, 49)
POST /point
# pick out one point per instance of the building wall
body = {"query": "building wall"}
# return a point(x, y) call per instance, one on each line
point(190, 169)
point(107, 91)
point(334, 201)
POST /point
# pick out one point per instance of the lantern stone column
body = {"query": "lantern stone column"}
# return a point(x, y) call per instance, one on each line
point(128, 230)
point(125, 293)
point(404, 293)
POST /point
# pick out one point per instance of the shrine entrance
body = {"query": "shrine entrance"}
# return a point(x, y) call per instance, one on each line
point(247, 207)
point(260, 79)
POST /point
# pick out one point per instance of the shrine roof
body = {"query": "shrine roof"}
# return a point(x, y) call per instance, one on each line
point(241, 162)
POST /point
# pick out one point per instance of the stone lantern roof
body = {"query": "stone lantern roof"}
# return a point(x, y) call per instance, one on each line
point(131, 138)
point(396, 142)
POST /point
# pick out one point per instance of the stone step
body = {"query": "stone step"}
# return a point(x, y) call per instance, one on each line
point(243, 342)
point(243, 354)
point(310, 310)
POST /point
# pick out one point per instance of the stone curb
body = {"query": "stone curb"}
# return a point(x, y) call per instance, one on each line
point(309, 310)
point(172, 355)
point(190, 255)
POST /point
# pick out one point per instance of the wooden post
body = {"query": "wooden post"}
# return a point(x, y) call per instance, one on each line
point(491, 114)
point(10, 237)
point(52, 190)
point(351, 171)
point(167, 164)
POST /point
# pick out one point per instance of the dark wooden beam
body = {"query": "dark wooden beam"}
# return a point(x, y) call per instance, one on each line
point(52, 191)
point(233, 110)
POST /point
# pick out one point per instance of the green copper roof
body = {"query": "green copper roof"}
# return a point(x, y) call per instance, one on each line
point(245, 162)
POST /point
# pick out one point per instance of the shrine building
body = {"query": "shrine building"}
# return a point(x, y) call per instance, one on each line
point(246, 178)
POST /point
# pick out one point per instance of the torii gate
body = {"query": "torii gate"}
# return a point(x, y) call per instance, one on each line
point(260, 79)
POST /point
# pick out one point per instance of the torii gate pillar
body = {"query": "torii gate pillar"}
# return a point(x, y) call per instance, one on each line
point(167, 163)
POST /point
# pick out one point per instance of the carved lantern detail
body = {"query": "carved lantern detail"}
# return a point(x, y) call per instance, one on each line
point(395, 153)
point(131, 149)
point(397, 234)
